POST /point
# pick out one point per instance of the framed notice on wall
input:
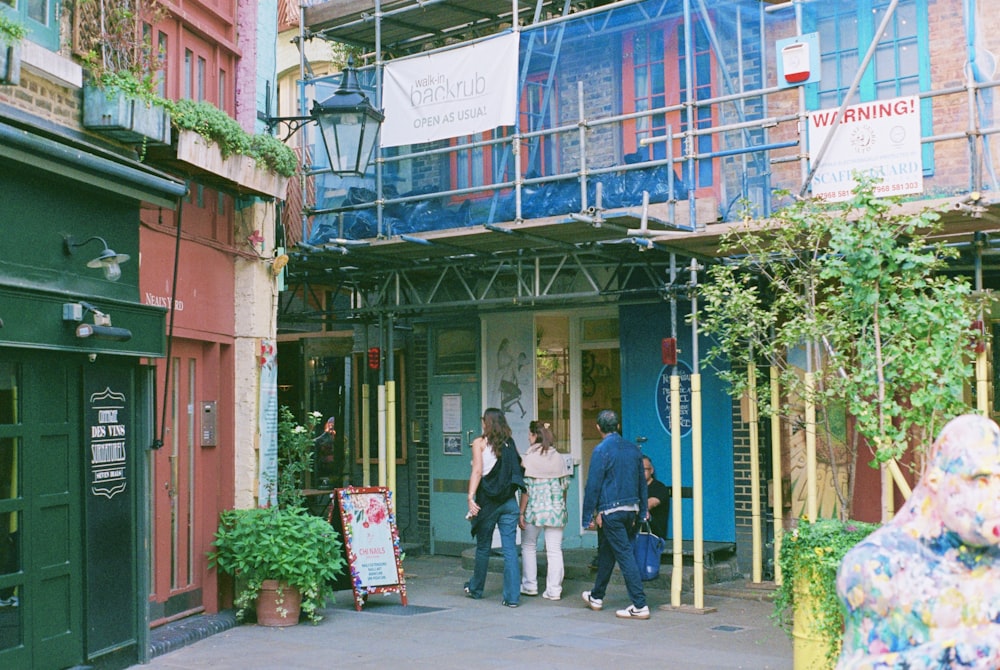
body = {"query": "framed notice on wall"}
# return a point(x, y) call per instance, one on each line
point(371, 541)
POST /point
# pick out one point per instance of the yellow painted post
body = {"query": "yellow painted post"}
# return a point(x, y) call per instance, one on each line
point(776, 492)
point(812, 511)
point(677, 575)
point(697, 492)
point(982, 382)
point(888, 502)
point(366, 431)
point(381, 435)
point(390, 438)
point(754, 475)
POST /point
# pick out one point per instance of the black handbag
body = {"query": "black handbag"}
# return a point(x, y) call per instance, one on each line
point(647, 548)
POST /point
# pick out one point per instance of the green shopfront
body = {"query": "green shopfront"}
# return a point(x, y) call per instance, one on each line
point(76, 402)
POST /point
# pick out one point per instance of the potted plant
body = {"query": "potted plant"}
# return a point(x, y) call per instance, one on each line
point(120, 94)
point(11, 35)
point(284, 559)
point(807, 599)
point(298, 553)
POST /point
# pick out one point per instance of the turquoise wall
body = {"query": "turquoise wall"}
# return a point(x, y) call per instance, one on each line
point(644, 379)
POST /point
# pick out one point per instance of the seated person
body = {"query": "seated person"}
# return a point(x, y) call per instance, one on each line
point(923, 591)
point(658, 500)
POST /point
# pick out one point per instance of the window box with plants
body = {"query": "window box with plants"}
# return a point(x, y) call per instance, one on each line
point(11, 35)
point(212, 147)
point(284, 560)
point(120, 106)
point(120, 97)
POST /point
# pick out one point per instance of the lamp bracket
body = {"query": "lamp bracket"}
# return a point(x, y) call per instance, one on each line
point(291, 124)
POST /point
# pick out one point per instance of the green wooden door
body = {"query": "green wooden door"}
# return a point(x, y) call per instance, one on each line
point(41, 578)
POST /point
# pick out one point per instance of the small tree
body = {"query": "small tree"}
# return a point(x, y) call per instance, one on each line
point(859, 286)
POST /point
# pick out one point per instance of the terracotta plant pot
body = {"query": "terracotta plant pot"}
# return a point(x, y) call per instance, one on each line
point(276, 608)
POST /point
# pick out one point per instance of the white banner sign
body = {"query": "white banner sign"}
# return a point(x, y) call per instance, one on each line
point(880, 138)
point(451, 93)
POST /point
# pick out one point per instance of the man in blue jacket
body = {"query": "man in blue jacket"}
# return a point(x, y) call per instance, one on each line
point(614, 500)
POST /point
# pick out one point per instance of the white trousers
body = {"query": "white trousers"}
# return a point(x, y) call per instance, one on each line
point(553, 555)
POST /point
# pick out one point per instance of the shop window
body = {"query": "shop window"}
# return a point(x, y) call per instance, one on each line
point(455, 352)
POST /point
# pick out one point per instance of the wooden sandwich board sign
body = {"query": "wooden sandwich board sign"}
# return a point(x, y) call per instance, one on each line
point(371, 541)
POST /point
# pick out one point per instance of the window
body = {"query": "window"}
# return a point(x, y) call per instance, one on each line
point(469, 164)
point(188, 75)
point(161, 50)
point(655, 76)
point(901, 64)
point(38, 16)
point(539, 155)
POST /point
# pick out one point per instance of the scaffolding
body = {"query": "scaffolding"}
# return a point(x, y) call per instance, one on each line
point(647, 127)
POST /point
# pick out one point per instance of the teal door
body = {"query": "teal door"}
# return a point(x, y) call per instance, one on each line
point(41, 575)
point(455, 410)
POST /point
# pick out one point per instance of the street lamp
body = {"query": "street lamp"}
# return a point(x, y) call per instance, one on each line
point(349, 125)
point(347, 121)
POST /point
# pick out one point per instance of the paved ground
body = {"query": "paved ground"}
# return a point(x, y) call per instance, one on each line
point(442, 629)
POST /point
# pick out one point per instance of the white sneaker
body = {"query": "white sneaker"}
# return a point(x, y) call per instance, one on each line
point(596, 604)
point(549, 596)
point(528, 592)
point(633, 612)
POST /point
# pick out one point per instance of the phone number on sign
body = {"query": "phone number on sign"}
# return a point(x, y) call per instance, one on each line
point(898, 187)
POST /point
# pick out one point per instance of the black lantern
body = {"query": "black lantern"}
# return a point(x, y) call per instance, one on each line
point(349, 125)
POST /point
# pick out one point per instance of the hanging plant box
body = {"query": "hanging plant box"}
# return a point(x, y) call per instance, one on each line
point(10, 63)
point(125, 119)
point(202, 159)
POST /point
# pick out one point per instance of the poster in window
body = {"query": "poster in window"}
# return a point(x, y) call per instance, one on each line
point(453, 444)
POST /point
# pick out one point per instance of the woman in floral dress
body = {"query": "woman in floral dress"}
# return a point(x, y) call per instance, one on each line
point(543, 508)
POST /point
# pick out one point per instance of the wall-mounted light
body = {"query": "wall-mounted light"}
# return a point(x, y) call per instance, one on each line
point(100, 329)
point(108, 260)
point(85, 330)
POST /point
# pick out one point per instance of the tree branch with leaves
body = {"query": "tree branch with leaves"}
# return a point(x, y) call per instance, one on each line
point(856, 293)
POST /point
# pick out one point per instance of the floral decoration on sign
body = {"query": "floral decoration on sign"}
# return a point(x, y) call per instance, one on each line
point(266, 354)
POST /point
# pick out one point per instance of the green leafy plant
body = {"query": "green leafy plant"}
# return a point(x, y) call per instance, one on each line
point(11, 31)
point(295, 456)
point(859, 288)
point(289, 545)
point(212, 123)
point(809, 559)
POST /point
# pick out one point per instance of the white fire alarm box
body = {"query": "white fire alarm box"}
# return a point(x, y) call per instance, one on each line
point(795, 62)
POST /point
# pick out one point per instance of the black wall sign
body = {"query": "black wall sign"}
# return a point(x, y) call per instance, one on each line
point(110, 462)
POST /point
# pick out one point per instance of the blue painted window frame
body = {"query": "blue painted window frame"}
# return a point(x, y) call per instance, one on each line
point(44, 33)
point(845, 32)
